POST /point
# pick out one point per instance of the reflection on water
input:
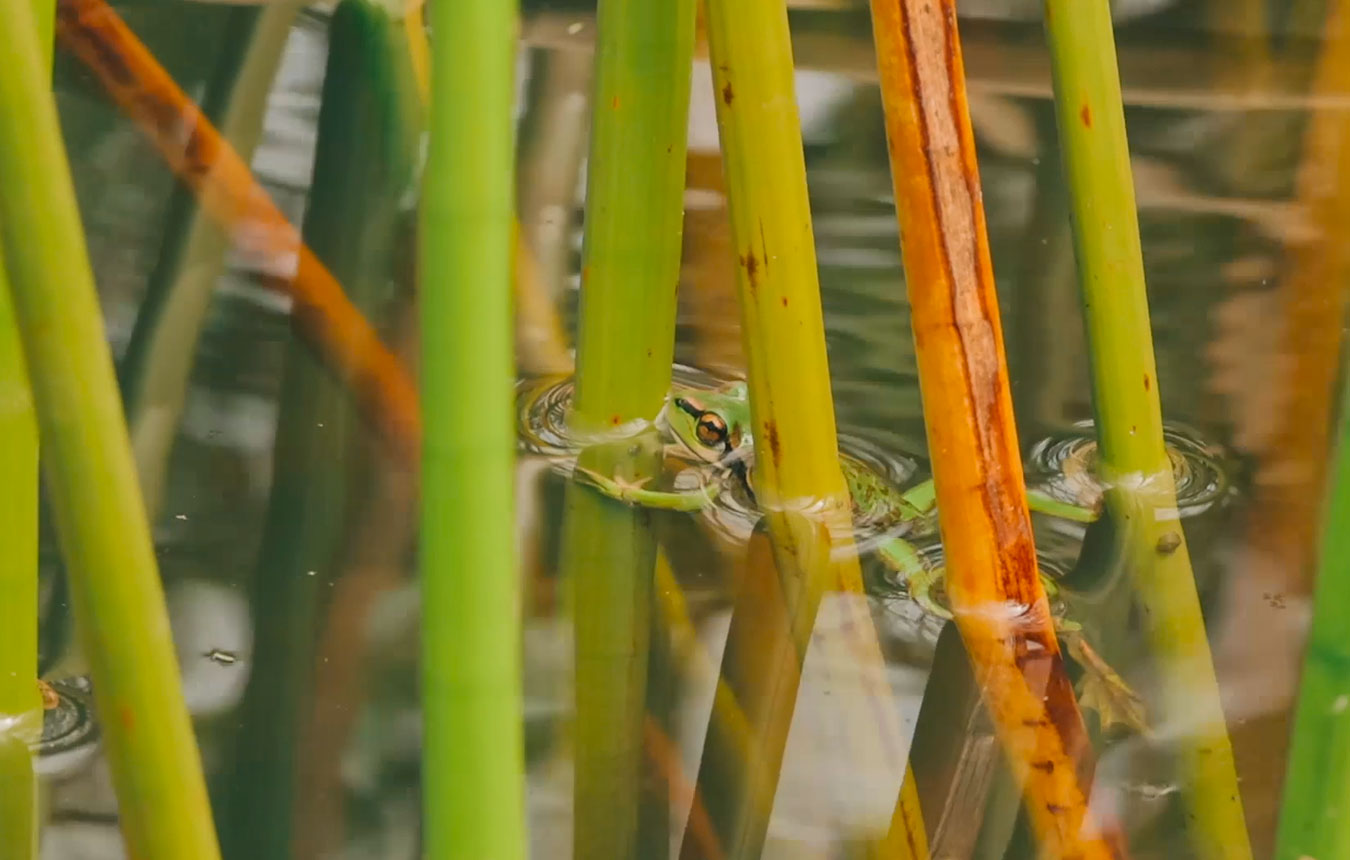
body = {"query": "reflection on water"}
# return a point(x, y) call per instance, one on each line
point(1218, 210)
point(1066, 466)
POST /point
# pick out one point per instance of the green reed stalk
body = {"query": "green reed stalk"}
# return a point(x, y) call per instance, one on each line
point(19, 499)
point(44, 18)
point(119, 603)
point(1315, 809)
point(20, 702)
point(473, 758)
point(807, 553)
point(634, 210)
point(158, 364)
point(625, 346)
point(367, 140)
point(1134, 462)
point(18, 799)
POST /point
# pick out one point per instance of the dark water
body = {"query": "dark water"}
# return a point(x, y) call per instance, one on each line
point(1216, 180)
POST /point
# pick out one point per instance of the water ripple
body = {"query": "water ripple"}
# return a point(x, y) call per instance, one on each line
point(542, 409)
point(885, 584)
point(1066, 467)
point(70, 731)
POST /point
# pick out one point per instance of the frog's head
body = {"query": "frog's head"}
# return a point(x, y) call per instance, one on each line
point(713, 425)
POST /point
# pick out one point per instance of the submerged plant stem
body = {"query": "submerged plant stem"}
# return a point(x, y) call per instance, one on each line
point(87, 463)
point(473, 788)
point(993, 580)
point(1134, 463)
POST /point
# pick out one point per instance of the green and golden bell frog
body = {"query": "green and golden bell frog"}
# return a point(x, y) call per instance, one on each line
point(713, 426)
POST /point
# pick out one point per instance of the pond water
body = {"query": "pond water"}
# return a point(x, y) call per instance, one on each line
point(1245, 292)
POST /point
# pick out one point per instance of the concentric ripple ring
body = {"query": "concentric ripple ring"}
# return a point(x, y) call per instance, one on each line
point(1066, 467)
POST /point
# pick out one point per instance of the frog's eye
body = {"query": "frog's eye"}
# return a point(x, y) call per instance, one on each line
point(712, 430)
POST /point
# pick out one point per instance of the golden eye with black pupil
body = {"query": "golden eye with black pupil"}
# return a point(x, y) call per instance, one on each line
point(712, 430)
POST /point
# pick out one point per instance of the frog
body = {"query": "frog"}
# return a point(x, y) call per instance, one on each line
point(712, 427)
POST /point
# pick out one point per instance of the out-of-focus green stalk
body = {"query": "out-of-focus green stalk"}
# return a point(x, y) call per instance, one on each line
point(158, 361)
point(1134, 462)
point(1315, 809)
point(19, 698)
point(18, 799)
point(44, 17)
point(1312, 819)
point(20, 702)
point(119, 603)
point(625, 345)
point(473, 789)
point(367, 141)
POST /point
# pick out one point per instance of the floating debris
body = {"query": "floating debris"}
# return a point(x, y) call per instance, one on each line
point(1169, 543)
point(221, 656)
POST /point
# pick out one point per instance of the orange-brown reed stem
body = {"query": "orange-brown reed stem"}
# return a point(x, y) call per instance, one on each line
point(228, 192)
point(992, 578)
